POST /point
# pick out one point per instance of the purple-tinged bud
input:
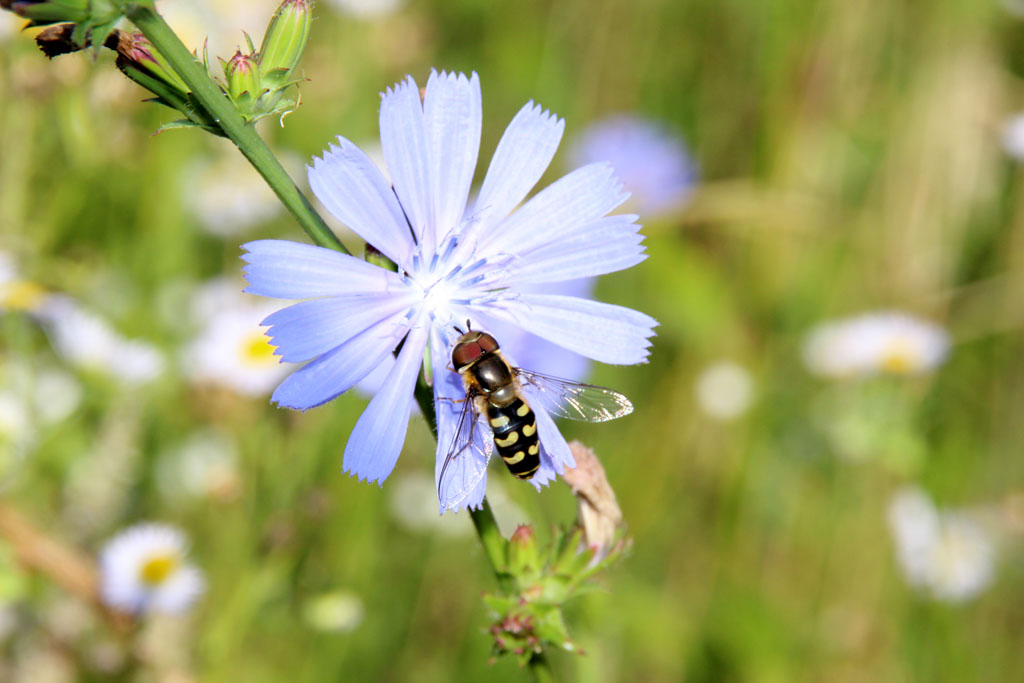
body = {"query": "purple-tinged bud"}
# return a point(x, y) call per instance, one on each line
point(285, 41)
point(243, 74)
point(523, 554)
point(134, 50)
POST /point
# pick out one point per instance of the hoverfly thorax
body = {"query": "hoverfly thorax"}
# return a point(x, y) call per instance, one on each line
point(478, 354)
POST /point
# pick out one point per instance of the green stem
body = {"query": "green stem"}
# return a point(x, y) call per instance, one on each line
point(483, 519)
point(493, 542)
point(231, 122)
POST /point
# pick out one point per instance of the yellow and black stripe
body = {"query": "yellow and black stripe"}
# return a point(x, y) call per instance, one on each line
point(515, 437)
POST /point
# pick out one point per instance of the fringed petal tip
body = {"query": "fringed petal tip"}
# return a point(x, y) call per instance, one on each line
point(408, 83)
point(364, 478)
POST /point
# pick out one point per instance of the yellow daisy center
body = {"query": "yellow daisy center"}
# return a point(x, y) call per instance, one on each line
point(900, 357)
point(157, 568)
point(22, 295)
point(257, 350)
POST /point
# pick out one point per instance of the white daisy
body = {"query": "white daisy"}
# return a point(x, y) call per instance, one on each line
point(17, 293)
point(88, 341)
point(31, 399)
point(875, 343)
point(143, 569)
point(947, 554)
point(10, 24)
point(1013, 136)
point(232, 350)
point(337, 611)
point(724, 390)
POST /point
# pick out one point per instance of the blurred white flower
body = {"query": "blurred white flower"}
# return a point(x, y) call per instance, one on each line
point(1014, 7)
point(232, 350)
point(724, 390)
point(367, 9)
point(16, 293)
point(143, 569)
point(205, 466)
point(413, 501)
point(947, 554)
point(31, 399)
point(414, 507)
point(875, 343)
point(86, 340)
point(336, 611)
point(10, 24)
point(227, 196)
point(651, 161)
point(1013, 136)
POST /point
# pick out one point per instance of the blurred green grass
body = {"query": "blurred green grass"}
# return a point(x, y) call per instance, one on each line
point(850, 160)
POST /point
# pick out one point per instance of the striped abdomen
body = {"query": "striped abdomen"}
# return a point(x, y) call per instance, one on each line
point(515, 437)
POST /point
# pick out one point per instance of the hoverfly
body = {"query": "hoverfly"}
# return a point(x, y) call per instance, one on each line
point(494, 388)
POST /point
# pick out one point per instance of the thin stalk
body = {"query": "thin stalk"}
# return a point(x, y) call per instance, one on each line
point(231, 122)
point(493, 542)
point(483, 519)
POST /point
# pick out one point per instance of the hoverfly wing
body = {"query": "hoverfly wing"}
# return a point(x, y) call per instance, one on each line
point(466, 462)
point(573, 400)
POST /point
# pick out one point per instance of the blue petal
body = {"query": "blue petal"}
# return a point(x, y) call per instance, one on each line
point(555, 455)
point(355, 191)
point(451, 116)
point(376, 441)
point(523, 154)
point(336, 371)
point(582, 197)
point(404, 141)
point(603, 332)
point(290, 270)
point(310, 328)
point(529, 351)
point(609, 245)
point(466, 477)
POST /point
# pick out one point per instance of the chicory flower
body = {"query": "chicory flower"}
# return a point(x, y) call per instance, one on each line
point(481, 262)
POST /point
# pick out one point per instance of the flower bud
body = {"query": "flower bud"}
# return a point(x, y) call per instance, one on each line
point(599, 513)
point(135, 51)
point(285, 41)
point(523, 554)
point(49, 11)
point(243, 76)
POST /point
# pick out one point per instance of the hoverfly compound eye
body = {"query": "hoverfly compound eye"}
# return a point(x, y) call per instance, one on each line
point(465, 353)
point(487, 343)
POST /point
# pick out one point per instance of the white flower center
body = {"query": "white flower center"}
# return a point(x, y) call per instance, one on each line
point(454, 276)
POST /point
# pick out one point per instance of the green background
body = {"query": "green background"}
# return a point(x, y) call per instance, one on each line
point(850, 159)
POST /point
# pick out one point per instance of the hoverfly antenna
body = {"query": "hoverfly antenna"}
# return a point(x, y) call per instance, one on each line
point(457, 329)
point(469, 327)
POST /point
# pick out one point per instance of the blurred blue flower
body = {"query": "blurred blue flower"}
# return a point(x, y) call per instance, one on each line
point(653, 163)
point(481, 264)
